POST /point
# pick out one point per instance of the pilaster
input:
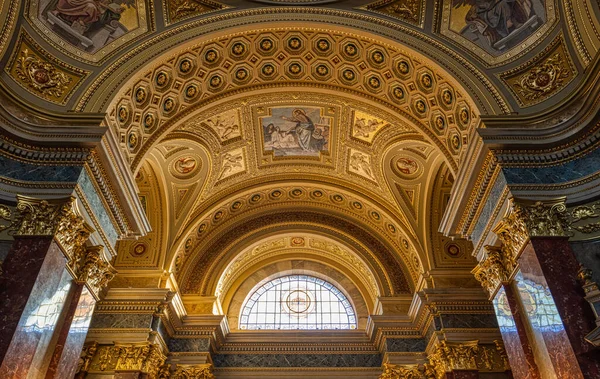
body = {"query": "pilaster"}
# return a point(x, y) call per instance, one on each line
point(49, 285)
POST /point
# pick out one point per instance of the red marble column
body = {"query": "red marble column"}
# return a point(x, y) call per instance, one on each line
point(511, 317)
point(33, 289)
point(72, 334)
point(558, 313)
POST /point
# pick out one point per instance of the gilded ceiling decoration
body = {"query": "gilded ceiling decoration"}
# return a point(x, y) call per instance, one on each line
point(411, 11)
point(497, 31)
point(42, 74)
point(86, 31)
point(178, 10)
point(543, 76)
point(279, 57)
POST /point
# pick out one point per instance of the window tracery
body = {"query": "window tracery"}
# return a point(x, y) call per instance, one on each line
point(297, 302)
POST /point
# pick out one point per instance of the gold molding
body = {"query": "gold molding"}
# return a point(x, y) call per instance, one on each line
point(494, 270)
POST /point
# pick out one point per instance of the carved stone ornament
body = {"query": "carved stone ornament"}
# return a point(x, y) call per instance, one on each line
point(494, 270)
point(203, 371)
point(391, 371)
point(181, 9)
point(146, 358)
point(454, 356)
point(531, 220)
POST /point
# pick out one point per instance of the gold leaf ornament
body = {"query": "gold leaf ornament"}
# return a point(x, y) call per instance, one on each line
point(41, 76)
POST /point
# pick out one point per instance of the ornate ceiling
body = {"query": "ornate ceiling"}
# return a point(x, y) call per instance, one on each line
point(249, 125)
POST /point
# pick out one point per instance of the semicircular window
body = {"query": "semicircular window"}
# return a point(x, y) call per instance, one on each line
point(297, 302)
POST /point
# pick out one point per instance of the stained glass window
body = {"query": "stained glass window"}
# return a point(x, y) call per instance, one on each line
point(297, 302)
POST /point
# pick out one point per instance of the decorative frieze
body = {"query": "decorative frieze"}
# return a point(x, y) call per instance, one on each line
point(144, 357)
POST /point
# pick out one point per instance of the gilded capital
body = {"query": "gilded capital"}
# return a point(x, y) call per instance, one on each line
point(494, 270)
point(391, 371)
point(531, 219)
point(447, 356)
point(89, 265)
point(203, 371)
point(147, 358)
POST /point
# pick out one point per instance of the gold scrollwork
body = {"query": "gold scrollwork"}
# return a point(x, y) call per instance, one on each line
point(543, 76)
point(391, 371)
point(203, 371)
point(40, 75)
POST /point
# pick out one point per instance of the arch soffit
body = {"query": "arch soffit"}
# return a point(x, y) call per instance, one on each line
point(219, 250)
point(211, 222)
point(297, 246)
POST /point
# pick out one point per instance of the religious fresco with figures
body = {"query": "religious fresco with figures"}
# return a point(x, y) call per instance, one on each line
point(87, 27)
point(497, 29)
point(295, 131)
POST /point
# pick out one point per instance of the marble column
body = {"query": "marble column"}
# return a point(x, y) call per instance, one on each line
point(494, 273)
point(41, 288)
point(535, 243)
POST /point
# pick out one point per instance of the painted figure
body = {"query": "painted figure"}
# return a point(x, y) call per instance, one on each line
point(496, 19)
point(304, 131)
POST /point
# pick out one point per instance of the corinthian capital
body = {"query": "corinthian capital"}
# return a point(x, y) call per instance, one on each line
point(447, 357)
point(526, 219)
point(147, 358)
point(494, 270)
point(391, 371)
point(203, 371)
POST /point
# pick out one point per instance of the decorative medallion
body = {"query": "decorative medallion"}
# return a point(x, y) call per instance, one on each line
point(405, 167)
point(453, 250)
point(186, 66)
point(149, 121)
point(162, 79)
point(138, 249)
point(41, 74)
point(543, 76)
point(185, 166)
